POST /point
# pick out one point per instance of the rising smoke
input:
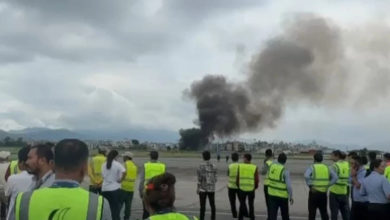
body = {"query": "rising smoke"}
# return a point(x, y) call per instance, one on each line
point(306, 63)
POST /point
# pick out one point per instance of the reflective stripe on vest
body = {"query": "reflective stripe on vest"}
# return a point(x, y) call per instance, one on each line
point(277, 184)
point(13, 167)
point(320, 177)
point(58, 203)
point(131, 175)
point(152, 170)
point(233, 170)
point(341, 186)
point(170, 216)
point(266, 181)
point(247, 177)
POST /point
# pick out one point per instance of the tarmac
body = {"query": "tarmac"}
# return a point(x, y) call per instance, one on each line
point(187, 201)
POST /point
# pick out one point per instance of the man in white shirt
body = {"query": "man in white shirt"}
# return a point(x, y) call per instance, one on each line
point(19, 182)
point(40, 163)
point(4, 155)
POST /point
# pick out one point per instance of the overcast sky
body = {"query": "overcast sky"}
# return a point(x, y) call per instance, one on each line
point(124, 64)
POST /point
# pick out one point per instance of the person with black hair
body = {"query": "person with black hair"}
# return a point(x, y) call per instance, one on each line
point(95, 171)
point(64, 199)
point(386, 157)
point(151, 169)
point(40, 163)
point(247, 182)
point(279, 189)
point(319, 177)
point(159, 198)
point(359, 202)
point(377, 189)
point(338, 196)
point(20, 182)
point(365, 163)
point(113, 173)
point(268, 160)
point(232, 185)
point(207, 178)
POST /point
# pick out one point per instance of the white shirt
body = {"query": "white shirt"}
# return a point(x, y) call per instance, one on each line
point(18, 183)
point(112, 176)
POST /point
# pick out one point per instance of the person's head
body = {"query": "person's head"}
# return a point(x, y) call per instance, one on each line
point(71, 159)
point(206, 155)
point(282, 158)
point(22, 157)
point(40, 159)
point(355, 161)
point(378, 165)
point(364, 160)
point(352, 154)
point(386, 156)
point(235, 157)
point(343, 155)
point(268, 153)
point(153, 155)
point(336, 155)
point(160, 193)
point(110, 158)
point(247, 158)
point(127, 156)
point(102, 150)
point(318, 157)
point(372, 156)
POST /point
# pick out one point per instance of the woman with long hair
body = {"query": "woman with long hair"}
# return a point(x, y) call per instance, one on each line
point(159, 198)
point(113, 173)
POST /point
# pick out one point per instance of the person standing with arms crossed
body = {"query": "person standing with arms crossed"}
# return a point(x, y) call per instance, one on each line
point(319, 177)
point(279, 189)
point(95, 171)
point(338, 196)
point(269, 158)
point(127, 188)
point(232, 185)
point(247, 182)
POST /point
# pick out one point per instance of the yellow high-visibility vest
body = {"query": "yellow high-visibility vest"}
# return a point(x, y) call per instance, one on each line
point(247, 176)
point(233, 170)
point(96, 169)
point(387, 173)
point(277, 184)
point(152, 170)
point(13, 167)
point(170, 216)
point(320, 177)
point(131, 175)
point(58, 203)
point(266, 181)
point(341, 186)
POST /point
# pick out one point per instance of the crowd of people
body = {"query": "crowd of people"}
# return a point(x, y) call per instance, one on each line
point(44, 183)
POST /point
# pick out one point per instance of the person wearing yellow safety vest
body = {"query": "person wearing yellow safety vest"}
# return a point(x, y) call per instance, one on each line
point(247, 182)
point(151, 169)
point(127, 188)
point(386, 157)
point(338, 196)
point(319, 177)
point(159, 198)
point(269, 158)
point(4, 162)
point(95, 171)
point(64, 199)
point(279, 189)
point(12, 169)
point(232, 185)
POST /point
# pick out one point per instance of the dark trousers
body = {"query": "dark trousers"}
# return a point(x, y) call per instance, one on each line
point(3, 210)
point(145, 213)
point(113, 198)
point(318, 200)
point(378, 211)
point(233, 194)
point(95, 189)
point(339, 202)
point(202, 199)
point(274, 204)
point(242, 195)
point(266, 198)
point(126, 199)
point(359, 211)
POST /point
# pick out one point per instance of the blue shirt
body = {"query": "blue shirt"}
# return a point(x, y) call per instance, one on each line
point(288, 182)
point(357, 197)
point(308, 177)
point(377, 188)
